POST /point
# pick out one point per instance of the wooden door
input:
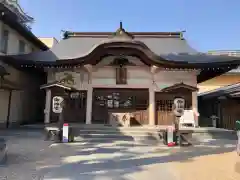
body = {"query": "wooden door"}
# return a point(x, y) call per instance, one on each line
point(99, 106)
point(164, 105)
point(76, 107)
point(140, 112)
point(230, 113)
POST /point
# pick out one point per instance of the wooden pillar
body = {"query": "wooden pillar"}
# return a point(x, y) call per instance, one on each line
point(89, 106)
point(89, 69)
point(47, 110)
point(151, 106)
point(152, 110)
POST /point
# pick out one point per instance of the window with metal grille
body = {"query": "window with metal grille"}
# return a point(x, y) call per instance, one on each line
point(21, 48)
point(4, 43)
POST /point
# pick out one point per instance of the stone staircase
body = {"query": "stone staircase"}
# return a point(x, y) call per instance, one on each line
point(146, 134)
point(108, 133)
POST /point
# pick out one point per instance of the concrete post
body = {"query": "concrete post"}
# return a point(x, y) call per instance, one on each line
point(47, 109)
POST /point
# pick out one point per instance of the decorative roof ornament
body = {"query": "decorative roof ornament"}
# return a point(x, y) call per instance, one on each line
point(121, 33)
point(181, 34)
point(15, 8)
point(67, 79)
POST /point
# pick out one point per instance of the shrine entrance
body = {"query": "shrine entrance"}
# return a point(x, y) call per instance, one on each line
point(114, 106)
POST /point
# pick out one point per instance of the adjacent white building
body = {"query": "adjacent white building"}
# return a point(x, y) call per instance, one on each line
point(16, 38)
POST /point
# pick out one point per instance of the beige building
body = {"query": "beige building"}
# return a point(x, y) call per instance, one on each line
point(229, 78)
point(50, 42)
point(16, 106)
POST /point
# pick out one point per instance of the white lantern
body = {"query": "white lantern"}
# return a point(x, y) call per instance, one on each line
point(179, 104)
point(56, 104)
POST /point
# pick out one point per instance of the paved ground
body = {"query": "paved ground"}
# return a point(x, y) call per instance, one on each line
point(211, 167)
point(30, 157)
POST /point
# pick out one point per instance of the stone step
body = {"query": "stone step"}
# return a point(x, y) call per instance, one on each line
point(215, 135)
point(108, 132)
point(143, 133)
point(115, 136)
point(115, 130)
point(150, 136)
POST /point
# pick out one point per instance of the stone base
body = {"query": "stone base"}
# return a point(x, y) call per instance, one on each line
point(3, 125)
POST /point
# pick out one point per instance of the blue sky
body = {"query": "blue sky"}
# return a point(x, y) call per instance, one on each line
point(209, 24)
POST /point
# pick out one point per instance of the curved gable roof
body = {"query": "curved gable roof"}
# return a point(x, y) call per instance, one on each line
point(76, 47)
point(168, 49)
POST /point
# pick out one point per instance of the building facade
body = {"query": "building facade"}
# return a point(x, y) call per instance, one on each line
point(219, 96)
point(50, 42)
point(16, 38)
point(122, 78)
point(222, 103)
point(229, 78)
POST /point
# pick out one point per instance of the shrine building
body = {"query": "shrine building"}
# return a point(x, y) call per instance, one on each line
point(111, 77)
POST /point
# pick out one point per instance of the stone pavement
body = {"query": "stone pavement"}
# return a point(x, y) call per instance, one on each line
point(32, 158)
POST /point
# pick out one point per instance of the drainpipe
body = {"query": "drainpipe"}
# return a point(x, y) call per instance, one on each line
point(9, 108)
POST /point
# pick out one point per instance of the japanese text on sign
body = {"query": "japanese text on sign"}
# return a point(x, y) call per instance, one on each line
point(56, 104)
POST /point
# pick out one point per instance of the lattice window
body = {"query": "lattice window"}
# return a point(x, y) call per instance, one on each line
point(165, 105)
point(121, 75)
point(77, 99)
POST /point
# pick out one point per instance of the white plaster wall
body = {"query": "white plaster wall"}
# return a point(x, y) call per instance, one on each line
point(137, 77)
point(14, 38)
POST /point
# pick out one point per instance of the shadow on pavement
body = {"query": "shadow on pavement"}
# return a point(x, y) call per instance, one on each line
point(129, 162)
point(103, 160)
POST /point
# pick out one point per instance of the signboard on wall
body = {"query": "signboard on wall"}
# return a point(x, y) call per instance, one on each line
point(56, 104)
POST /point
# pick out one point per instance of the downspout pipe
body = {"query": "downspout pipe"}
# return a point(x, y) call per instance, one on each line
point(9, 108)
